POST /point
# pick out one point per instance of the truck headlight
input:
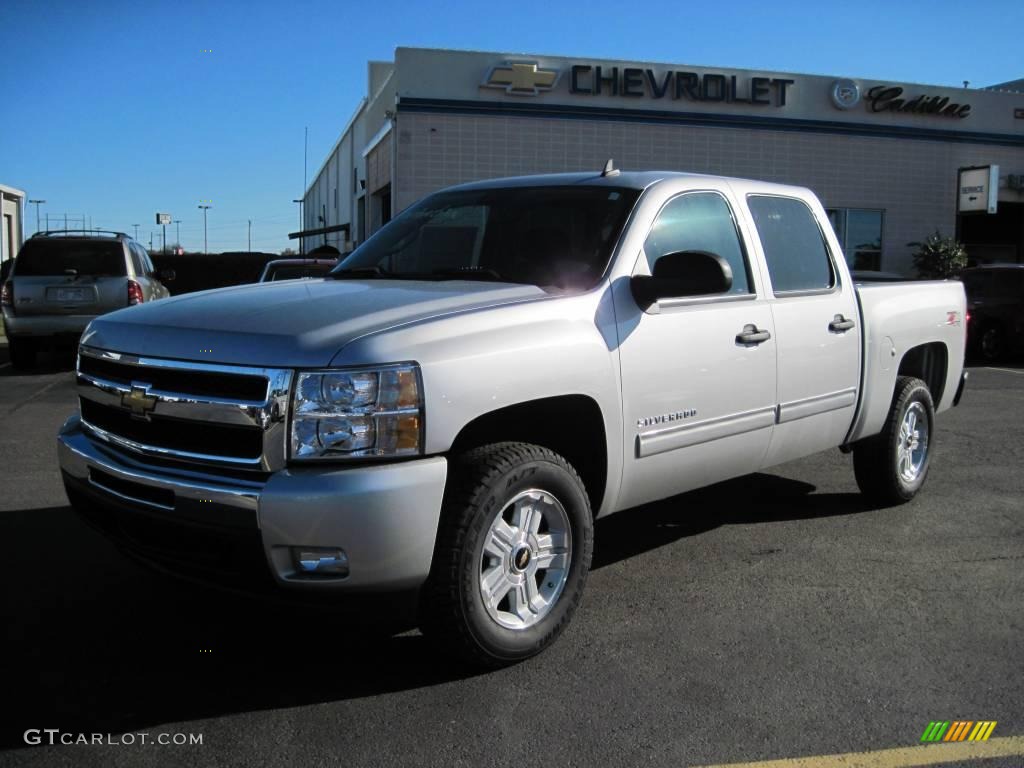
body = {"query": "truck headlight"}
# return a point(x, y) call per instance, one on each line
point(357, 413)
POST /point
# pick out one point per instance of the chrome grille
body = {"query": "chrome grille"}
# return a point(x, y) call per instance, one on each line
point(191, 412)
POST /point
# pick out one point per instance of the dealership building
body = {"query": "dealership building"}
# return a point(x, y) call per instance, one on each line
point(892, 162)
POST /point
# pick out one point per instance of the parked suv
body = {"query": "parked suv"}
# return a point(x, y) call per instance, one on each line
point(64, 279)
point(995, 300)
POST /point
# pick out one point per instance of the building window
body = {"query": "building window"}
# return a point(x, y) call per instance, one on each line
point(859, 231)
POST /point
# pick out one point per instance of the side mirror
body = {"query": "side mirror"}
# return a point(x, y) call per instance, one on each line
point(167, 275)
point(682, 274)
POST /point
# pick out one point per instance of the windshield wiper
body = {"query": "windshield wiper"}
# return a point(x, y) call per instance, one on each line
point(357, 273)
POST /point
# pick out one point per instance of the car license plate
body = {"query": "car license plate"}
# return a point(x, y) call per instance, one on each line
point(70, 294)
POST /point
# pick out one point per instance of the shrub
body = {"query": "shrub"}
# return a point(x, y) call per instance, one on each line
point(938, 256)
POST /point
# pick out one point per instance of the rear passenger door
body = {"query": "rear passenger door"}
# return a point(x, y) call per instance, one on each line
point(816, 326)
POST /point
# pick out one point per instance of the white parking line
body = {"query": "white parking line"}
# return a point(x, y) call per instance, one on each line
point(1004, 370)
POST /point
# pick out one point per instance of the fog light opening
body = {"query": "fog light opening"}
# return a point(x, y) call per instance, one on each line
point(320, 561)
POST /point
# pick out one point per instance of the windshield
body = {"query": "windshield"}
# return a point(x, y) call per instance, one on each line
point(557, 237)
point(49, 258)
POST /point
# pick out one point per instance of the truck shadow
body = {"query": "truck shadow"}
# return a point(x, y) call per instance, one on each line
point(632, 532)
point(97, 644)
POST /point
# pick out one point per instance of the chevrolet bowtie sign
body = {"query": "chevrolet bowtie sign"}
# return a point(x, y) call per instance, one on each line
point(521, 78)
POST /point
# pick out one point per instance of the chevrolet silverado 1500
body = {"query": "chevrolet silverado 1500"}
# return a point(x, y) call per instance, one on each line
point(450, 409)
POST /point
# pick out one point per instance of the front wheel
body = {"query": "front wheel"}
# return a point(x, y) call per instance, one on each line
point(512, 554)
point(891, 466)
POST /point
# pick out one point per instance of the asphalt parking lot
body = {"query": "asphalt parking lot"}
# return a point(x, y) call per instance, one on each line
point(774, 616)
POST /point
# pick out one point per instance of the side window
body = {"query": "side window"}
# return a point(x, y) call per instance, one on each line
point(147, 263)
point(699, 221)
point(793, 245)
point(137, 261)
point(977, 284)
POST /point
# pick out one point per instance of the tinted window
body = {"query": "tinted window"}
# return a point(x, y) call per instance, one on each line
point(793, 245)
point(548, 236)
point(699, 221)
point(147, 263)
point(1008, 284)
point(54, 257)
point(976, 284)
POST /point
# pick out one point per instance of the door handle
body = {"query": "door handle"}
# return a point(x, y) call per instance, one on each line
point(751, 335)
point(840, 324)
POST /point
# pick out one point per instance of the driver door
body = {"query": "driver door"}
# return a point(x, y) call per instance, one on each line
point(698, 402)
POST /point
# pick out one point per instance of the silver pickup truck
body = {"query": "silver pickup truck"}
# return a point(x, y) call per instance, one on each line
point(448, 411)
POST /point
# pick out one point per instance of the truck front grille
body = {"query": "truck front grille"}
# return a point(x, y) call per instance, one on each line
point(182, 411)
point(188, 382)
point(179, 435)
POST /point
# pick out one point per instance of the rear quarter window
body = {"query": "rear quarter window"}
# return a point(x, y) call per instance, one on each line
point(793, 244)
point(51, 258)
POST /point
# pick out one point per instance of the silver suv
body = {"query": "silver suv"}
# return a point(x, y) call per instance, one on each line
point(62, 280)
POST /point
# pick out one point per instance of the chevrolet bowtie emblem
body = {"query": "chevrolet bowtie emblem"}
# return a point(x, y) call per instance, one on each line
point(521, 78)
point(139, 401)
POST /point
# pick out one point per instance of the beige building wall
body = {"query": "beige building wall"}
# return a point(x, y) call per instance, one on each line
point(914, 182)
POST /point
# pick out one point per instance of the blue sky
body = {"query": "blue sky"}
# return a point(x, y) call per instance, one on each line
point(112, 109)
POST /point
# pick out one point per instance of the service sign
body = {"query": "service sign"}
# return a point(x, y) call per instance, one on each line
point(163, 218)
point(978, 189)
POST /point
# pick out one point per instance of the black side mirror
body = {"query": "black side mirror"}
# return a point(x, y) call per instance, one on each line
point(682, 274)
point(167, 275)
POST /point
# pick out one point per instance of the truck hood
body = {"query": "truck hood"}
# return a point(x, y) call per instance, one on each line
point(295, 323)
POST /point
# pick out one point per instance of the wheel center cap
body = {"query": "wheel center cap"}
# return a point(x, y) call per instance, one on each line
point(521, 558)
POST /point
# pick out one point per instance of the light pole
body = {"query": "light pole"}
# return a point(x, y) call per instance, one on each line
point(204, 209)
point(37, 202)
point(177, 236)
point(302, 240)
point(136, 231)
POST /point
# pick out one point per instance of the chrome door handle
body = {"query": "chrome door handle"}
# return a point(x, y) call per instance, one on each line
point(840, 324)
point(751, 335)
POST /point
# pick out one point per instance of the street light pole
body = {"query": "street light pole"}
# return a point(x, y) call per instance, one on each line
point(177, 237)
point(37, 202)
point(204, 209)
point(136, 231)
point(302, 240)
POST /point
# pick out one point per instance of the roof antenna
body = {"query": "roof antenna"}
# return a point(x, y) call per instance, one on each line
point(610, 169)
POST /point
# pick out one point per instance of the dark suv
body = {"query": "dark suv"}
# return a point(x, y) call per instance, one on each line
point(62, 280)
point(995, 301)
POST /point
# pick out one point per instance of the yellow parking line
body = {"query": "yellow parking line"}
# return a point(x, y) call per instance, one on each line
point(901, 757)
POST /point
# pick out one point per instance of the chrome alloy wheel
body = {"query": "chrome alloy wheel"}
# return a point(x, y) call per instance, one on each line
point(912, 449)
point(524, 562)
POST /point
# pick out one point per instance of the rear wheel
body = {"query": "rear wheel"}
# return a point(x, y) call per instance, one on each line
point(891, 466)
point(512, 554)
point(992, 343)
point(22, 351)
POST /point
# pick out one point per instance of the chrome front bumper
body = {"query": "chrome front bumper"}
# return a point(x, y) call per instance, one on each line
point(384, 516)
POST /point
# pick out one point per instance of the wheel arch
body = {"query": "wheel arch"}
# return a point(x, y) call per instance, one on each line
point(570, 425)
point(928, 362)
